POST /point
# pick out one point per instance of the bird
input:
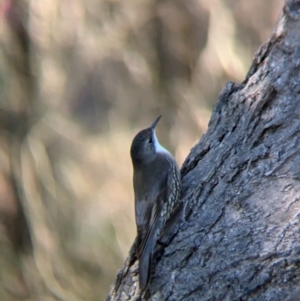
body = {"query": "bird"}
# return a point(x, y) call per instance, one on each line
point(156, 184)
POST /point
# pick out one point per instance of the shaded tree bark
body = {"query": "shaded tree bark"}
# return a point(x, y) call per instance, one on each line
point(240, 191)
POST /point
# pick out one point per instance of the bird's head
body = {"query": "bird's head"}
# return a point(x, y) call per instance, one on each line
point(145, 144)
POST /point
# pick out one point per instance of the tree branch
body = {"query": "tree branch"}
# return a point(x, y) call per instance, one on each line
point(240, 191)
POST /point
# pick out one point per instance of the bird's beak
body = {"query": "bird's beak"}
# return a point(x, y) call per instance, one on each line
point(153, 125)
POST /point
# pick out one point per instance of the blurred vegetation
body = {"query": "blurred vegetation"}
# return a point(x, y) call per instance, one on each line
point(78, 79)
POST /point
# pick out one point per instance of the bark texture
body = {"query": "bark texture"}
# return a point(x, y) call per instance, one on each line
point(240, 191)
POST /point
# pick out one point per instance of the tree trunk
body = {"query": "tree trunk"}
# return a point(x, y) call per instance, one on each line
point(240, 191)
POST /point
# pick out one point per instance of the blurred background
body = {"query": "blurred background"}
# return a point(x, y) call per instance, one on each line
point(78, 79)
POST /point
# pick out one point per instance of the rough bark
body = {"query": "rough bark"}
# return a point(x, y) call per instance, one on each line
point(240, 190)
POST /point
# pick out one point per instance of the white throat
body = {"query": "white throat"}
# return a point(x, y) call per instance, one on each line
point(158, 147)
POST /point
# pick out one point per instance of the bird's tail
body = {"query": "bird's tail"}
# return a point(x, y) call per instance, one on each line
point(146, 256)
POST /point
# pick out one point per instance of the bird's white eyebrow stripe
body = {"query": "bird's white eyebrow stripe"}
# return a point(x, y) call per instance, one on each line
point(158, 147)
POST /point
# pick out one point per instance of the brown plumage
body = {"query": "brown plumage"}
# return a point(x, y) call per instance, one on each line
point(156, 183)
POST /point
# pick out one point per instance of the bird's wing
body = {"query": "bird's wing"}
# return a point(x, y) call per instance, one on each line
point(148, 222)
point(148, 217)
point(151, 225)
point(147, 245)
point(173, 187)
point(149, 201)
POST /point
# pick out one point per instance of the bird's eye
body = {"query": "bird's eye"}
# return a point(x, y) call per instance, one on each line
point(150, 141)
